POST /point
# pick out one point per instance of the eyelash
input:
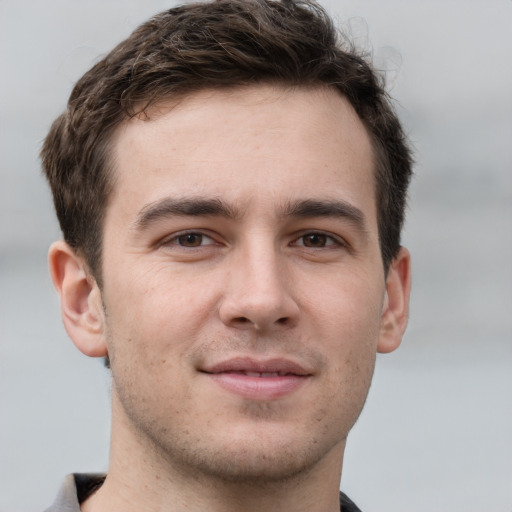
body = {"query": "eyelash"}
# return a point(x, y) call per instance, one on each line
point(329, 240)
point(174, 240)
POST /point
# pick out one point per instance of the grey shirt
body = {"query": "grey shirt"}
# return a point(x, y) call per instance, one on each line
point(78, 486)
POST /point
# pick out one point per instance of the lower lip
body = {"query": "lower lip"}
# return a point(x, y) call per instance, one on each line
point(258, 388)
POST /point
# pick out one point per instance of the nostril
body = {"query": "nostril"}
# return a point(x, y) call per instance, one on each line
point(282, 320)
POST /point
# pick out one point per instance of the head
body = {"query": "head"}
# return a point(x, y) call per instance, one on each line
point(231, 184)
point(214, 45)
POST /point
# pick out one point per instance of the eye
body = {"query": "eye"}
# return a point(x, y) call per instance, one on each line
point(190, 239)
point(320, 240)
point(316, 240)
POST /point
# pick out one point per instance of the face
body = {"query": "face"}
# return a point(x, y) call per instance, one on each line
point(243, 282)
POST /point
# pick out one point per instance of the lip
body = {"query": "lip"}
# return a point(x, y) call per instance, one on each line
point(258, 379)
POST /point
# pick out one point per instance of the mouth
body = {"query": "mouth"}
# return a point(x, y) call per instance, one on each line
point(262, 375)
point(258, 380)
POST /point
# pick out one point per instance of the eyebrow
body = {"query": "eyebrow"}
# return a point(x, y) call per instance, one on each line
point(336, 208)
point(183, 207)
point(201, 207)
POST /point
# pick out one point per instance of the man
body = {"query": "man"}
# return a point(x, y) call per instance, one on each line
point(231, 186)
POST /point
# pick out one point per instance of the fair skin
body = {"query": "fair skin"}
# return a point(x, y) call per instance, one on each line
point(244, 300)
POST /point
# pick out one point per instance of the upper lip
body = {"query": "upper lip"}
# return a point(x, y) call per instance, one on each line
point(248, 364)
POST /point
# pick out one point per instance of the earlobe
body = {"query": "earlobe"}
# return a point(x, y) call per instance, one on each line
point(395, 312)
point(80, 298)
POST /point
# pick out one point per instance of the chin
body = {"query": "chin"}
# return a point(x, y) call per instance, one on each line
point(264, 456)
point(258, 467)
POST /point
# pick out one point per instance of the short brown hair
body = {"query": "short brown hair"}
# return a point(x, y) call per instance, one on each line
point(215, 44)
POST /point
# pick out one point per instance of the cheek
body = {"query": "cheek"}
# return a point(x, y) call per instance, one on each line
point(154, 311)
point(354, 335)
point(349, 325)
point(349, 308)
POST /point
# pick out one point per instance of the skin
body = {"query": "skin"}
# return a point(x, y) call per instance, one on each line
point(264, 278)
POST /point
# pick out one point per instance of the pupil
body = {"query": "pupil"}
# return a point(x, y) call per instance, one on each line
point(190, 240)
point(315, 240)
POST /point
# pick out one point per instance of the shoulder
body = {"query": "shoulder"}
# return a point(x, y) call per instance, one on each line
point(75, 489)
point(347, 505)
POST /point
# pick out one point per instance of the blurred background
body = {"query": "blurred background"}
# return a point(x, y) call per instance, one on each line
point(436, 433)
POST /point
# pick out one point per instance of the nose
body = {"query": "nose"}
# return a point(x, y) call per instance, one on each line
point(258, 293)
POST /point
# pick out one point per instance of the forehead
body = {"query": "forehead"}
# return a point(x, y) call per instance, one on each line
point(258, 144)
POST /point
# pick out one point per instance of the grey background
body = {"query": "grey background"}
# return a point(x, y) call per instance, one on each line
point(436, 433)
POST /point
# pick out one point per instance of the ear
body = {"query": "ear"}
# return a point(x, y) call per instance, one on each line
point(80, 299)
point(395, 312)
